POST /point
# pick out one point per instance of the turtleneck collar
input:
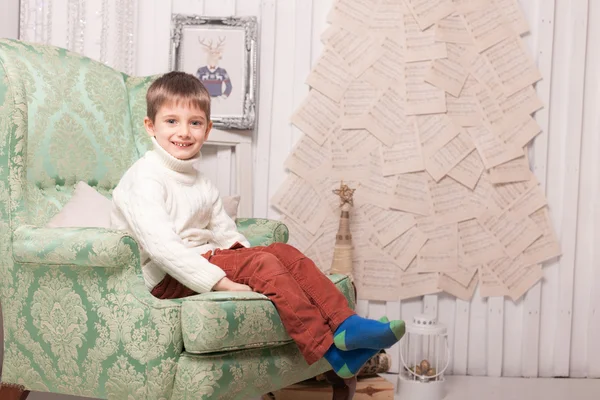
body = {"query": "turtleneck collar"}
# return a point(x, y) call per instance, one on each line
point(184, 168)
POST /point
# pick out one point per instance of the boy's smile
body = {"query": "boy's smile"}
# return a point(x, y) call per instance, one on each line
point(180, 129)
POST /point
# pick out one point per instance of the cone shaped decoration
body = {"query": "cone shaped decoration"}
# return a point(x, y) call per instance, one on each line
point(426, 108)
point(342, 252)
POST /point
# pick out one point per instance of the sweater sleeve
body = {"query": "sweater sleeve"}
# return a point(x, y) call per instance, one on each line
point(143, 207)
point(223, 227)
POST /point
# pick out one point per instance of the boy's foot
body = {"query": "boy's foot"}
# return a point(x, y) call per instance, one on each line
point(361, 333)
point(346, 364)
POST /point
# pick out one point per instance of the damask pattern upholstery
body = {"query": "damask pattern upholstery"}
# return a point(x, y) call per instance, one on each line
point(78, 318)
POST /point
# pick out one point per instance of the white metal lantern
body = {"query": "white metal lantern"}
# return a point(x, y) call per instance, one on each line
point(425, 356)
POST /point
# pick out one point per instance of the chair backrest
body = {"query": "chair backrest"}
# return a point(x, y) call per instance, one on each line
point(64, 118)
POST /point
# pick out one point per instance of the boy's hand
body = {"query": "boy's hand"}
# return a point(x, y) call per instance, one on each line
point(227, 285)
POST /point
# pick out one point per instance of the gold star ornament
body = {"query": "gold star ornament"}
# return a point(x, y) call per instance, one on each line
point(345, 194)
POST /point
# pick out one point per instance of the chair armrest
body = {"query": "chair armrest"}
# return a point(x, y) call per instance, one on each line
point(263, 232)
point(85, 247)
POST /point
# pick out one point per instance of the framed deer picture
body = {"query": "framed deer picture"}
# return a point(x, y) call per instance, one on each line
point(220, 52)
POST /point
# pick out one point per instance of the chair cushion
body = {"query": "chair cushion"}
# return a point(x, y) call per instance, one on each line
point(224, 321)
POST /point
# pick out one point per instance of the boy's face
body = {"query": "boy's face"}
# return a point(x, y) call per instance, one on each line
point(179, 129)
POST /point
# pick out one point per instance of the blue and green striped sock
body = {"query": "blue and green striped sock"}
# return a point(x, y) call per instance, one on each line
point(348, 363)
point(362, 333)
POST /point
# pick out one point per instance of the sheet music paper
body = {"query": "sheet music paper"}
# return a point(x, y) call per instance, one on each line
point(404, 155)
point(357, 142)
point(388, 68)
point(484, 73)
point(546, 247)
point(479, 199)
point(490, 285)
point(513, 15)
point(306, 156)
point(464, 6)
point(412, 194)
point(386, 19)
point(377, 279)
point(412, 285)
point(365, 242)
point(358, 99)
point(513, 277)
point(478, 245)
point(515, 234)
point(520, 131)
point(448, 197)
point(528, 203)
point(465, 273)
point(440, 252)
point(420, 45)
point(525, 101)
point(521, 283)
point(387, 224)
point(358, 51)
point(447, 75)
point(468, 171)
point(464, 110)
point(448, 284)
point(452, 29)
point(330, 76)
point(514, 67)
point(492, 150)
point(352, 14)
point(386, 116)
point(446, 158)
point(317, 116)
point(377, 189)
point(428, 12)
point(422, 97)
point(297, 199)
point(503, 196)
point(516, 170)
point(405, 247)
point(299, 236)
point(345, 166)
point(490, 109)
point(435, 131)
point(487, 26)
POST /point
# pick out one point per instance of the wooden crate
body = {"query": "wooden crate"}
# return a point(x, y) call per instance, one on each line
point(375, 388)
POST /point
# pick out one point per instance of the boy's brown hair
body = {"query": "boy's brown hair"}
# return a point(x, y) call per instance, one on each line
point(174, 88)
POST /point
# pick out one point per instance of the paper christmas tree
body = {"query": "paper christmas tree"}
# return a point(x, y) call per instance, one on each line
point(425, 107)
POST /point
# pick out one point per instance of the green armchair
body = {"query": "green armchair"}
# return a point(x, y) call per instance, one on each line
point(78, 318)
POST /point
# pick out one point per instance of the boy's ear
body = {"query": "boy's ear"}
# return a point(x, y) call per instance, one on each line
point(208, 129)
point(149, 125)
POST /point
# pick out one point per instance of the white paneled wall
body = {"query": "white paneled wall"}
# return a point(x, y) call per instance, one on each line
point(555, 329)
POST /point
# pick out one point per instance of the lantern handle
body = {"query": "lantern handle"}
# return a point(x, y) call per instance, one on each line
point(438, 372)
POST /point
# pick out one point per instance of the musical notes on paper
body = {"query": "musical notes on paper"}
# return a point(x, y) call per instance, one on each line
point(425, 107)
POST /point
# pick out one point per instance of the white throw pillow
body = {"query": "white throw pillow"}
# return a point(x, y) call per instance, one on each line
point(89, 209)
point(86, 208)
point(231, 204)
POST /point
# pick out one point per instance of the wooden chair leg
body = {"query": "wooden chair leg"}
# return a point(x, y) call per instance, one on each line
point(13, 392)
point(343, 389)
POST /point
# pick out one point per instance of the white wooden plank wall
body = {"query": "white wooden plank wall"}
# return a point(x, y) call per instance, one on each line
point(554, 329)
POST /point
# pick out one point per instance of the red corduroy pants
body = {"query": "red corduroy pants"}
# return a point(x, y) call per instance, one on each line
point(310, 306)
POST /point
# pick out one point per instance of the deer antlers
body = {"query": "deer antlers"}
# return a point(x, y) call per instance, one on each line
point(209, 46)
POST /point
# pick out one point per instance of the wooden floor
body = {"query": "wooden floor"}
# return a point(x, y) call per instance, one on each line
point(482, 388)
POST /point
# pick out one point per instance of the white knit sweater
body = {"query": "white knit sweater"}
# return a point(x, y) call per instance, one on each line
point(176, 215)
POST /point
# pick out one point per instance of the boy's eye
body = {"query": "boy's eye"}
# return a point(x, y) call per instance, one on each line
point(170, 121)
point(197, 123)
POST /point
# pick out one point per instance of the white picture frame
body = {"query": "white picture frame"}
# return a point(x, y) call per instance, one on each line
point(221, 52)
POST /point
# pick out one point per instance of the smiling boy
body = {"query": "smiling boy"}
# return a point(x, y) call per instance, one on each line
point(190, 245)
